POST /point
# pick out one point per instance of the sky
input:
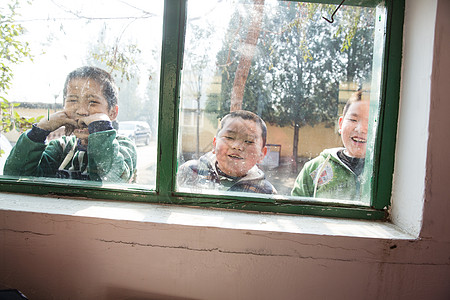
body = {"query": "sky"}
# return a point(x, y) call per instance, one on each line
point(59, 33)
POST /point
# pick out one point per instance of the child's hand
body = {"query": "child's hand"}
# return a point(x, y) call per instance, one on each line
point(55, 121)
point(85, 121)
point(81, 131)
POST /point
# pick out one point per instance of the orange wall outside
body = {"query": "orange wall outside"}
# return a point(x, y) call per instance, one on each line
point(312, 140)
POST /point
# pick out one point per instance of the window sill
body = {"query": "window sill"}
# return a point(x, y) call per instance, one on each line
point(188, 216)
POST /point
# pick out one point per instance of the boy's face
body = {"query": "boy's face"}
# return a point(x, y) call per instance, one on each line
point(353, 129)
point(238, 146)
point(84, 103)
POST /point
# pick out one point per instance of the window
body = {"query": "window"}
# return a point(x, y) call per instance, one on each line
point(301, 71)
point(65, 35)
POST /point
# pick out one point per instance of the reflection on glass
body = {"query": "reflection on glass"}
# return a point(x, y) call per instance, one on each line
point(121, 37)
point(282, 61)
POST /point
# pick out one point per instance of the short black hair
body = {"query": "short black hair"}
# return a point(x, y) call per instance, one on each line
point(359, 95)
point(246, 115)
point(109, 90)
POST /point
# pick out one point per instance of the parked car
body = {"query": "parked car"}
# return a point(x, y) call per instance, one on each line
point(137, 131)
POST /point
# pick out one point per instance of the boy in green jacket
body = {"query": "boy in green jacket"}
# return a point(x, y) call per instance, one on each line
point(336, 173)
point(94, 151)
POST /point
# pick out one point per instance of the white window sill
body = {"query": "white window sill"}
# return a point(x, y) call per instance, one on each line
point(187, 216)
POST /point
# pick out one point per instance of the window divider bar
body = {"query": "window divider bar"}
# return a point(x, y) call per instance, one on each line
point(382, 186)
point(171, 65)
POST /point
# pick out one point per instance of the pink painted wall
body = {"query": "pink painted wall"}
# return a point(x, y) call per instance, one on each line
point(61, 257)
point(438, 160)
point(55, 256)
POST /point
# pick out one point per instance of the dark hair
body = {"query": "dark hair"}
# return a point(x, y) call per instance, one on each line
point(246, 115)
point(102, 77)
point(355, 97)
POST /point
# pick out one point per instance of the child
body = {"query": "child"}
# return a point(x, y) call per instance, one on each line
point(94, 152)
point(336, 172)
point(239, 145)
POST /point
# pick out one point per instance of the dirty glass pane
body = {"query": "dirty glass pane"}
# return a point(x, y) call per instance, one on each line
point(123, 38)
point(285, 63)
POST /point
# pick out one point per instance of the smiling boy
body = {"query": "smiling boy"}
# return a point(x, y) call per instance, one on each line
point(336, 173)
point(94, 151)
point(239, 145)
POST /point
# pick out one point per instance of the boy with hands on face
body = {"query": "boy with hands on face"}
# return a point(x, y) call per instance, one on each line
point(238, 146)
point(94, 151)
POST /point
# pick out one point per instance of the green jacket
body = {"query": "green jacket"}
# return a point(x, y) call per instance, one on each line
point(336, 180)
point(108, 157)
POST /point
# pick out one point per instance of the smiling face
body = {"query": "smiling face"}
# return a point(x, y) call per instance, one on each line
point(238, 146)
point(353, 128)
point(84, 97)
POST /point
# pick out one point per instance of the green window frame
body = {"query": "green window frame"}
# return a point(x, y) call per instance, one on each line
point(174, 26)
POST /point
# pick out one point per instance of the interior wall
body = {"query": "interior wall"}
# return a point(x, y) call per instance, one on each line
point(53, 256)
point(411, 149)
point(56, 256)
point(437, 192)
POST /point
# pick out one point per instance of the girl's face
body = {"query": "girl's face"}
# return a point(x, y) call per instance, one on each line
point(353, 128)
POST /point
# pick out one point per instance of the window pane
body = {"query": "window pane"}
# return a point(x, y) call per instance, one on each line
point(285, 63)
point(121, 37)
